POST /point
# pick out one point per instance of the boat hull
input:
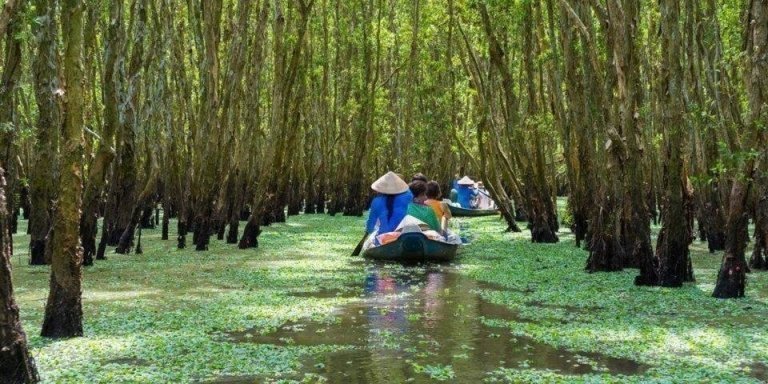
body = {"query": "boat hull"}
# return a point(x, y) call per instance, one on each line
point(413, 248)
point(464, 212)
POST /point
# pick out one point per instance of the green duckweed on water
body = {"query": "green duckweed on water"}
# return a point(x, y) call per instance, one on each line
point(278, 314)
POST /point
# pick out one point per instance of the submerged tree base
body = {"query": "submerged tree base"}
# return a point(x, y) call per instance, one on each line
point(731, 279)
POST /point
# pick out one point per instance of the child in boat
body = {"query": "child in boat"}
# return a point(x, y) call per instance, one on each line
point(442, 211)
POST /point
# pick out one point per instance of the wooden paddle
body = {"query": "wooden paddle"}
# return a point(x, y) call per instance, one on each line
point(359, 247)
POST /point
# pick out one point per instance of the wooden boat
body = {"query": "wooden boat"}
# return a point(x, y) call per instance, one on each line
point(466, 212)
point(413, 247)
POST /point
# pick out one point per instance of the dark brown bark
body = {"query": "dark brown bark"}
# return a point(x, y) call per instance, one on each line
point(166, 217)
point(731, 279)
point(16, 363)
point(250, 238)
point(712, 219)
point(147, 220)
point(146, 199)
point(759, 259)
point(605, 251)
point(234, 224)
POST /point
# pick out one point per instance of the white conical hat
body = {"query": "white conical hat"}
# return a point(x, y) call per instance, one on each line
point(466, 181)
point(390, 184)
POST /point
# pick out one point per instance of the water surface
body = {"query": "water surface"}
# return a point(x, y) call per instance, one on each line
point(416, 324)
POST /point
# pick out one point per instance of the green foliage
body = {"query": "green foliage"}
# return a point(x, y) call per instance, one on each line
point(437, 372)
point(730, 162)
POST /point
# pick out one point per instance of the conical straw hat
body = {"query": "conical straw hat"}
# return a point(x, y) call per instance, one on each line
point(466, 181)
point(390, 184)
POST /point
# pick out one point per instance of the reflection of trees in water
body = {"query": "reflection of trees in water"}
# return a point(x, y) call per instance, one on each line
point(429, 315)
point(433, 317)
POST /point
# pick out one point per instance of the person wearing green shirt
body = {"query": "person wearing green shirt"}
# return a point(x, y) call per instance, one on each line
point(419, 209)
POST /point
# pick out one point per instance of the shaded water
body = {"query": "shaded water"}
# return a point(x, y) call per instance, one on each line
point(414, 324)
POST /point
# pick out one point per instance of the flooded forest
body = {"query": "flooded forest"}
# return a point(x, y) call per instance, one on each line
point(183, 185)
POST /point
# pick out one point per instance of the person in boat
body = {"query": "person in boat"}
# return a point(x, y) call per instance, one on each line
point(454, 193)
point(466, 192)
point(484, 200)
point(419, 209)
point(390, 205)
point(442, 211)
point(419, 177)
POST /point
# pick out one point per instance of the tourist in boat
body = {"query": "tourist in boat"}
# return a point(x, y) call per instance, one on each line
point(466, 192)
point(454, 192)
point(484, 200)
point(442, 211)
point(419, 210)
point(390, 205)
point(419, 177)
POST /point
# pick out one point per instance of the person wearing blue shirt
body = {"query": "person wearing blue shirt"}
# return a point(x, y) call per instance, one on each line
point(454, 192)
point(390, 205)
point(466, 192)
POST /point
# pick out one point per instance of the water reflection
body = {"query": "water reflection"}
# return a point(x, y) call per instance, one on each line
point(415, 322)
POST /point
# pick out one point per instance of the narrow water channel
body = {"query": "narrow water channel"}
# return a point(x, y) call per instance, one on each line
point(419, 324)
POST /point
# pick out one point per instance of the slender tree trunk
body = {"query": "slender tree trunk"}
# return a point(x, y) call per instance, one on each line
point(63, 311)
point(105, 154)
point(145, 199)
point(675, 236)
point(16, 363)
point(759, 259)
point(9, 131)
point(44, 174)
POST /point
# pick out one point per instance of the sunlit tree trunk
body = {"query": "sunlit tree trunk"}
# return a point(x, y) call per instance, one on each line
point(63, 310)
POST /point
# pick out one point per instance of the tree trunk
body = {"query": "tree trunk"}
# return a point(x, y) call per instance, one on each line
point(731, 280)
point(145, 200)
point(123, 189)
point(672, 245)
point(16, 363)
point(166, 216)
point(251, 233)
point(105, 155)
point(63, 311)
point(635, 220)
point(43, 175)
point(759, 259)
point(9, 129)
